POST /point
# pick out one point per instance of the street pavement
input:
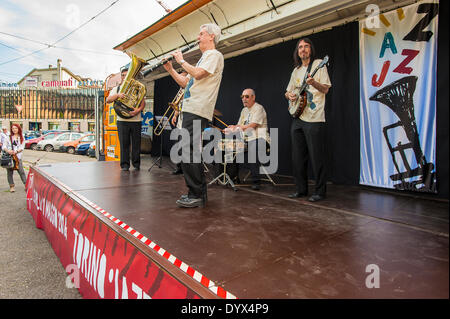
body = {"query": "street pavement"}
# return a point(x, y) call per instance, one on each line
point(29, 268)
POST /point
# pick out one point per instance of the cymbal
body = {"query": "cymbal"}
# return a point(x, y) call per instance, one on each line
point(217, 112)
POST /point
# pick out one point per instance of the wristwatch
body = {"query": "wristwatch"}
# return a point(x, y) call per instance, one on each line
point(181, 62)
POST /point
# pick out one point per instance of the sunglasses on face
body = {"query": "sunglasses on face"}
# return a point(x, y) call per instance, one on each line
point(245, 96)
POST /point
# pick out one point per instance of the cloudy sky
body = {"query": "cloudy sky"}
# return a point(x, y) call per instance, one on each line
point(29, 26)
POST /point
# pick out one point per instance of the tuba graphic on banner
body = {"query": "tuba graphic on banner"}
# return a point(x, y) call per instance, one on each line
point(398, 96)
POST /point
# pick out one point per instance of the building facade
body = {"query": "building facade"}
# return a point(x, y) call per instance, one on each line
point(50, 99)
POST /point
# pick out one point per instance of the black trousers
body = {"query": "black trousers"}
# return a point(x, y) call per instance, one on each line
point(130, 141)
point(308, 143)
point(193, 173)
point(253, 146)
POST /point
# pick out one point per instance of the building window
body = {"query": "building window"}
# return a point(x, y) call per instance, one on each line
point(74, 126)
point(53, 126)
point(91, 127)
point(34, 126)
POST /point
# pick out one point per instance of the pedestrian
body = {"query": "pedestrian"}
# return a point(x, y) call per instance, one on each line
point(14, 145)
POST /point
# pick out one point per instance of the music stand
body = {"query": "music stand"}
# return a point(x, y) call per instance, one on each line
point(159, 159)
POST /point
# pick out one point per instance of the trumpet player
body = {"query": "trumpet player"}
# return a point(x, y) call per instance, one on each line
point(201, 86)
point(129, 130)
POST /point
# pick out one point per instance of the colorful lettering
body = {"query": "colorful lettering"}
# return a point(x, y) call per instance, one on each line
point(417, 34)
point(388, 42)
point(410, 55)
point(382, 76)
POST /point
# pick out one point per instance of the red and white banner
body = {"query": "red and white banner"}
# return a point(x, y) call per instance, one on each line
point(100, 262)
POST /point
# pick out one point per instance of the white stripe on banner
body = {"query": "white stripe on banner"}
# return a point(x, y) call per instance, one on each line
point(398, 55)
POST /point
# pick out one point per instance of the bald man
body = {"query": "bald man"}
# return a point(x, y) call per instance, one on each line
point(253, 125)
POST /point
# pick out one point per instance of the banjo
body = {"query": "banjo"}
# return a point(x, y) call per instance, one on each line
point(296, 107)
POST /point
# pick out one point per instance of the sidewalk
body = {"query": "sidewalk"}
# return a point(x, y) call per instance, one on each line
point(29, 267)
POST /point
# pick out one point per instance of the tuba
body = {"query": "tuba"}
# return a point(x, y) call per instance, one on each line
point(134, 90)
point(175, 105)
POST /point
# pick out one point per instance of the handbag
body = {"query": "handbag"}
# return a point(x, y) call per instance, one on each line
point(7, 160)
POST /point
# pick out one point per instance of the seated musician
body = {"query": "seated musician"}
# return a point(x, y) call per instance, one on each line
point(253, 125)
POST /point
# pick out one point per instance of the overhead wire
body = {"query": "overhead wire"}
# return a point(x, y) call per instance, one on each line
point(59, 40)
point(54, 46)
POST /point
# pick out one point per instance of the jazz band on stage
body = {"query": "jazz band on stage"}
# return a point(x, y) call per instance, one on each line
point(308, 85)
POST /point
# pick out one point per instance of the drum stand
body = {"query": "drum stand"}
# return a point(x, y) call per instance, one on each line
point(224, 179)
point(268, 179)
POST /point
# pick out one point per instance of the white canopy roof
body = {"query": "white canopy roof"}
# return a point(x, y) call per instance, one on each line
point(247, 25)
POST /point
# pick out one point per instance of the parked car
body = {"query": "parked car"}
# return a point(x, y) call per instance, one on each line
point(55, 144)
point(32, 143)
point(69, 147)
point(91, 150)
point(31, 134)
point(82, 148)
point(55, 131)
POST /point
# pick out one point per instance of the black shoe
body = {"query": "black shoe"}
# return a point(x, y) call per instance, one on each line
point(316, 198)
point(297, 194)
point(190, 202)
point(256, 187)
point(137, 169)
point(177, 171)
point(125, 169)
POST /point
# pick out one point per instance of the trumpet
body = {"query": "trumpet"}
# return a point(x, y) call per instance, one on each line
point(175, 106)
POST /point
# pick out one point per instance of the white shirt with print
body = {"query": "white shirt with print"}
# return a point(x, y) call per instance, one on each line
point(200, 96)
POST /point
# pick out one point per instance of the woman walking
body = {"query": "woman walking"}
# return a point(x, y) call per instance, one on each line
point(14, 146)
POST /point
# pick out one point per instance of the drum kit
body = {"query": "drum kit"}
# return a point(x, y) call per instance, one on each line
point(230, 147)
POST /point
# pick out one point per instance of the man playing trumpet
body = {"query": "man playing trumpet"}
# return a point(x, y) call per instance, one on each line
point(201, 86)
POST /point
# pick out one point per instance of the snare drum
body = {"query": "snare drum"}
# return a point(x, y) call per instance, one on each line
point(232, 145)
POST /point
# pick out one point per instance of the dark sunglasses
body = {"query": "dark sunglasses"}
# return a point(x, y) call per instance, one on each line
point(246, 96)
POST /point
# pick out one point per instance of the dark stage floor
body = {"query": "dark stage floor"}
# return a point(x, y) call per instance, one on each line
point(261, 244)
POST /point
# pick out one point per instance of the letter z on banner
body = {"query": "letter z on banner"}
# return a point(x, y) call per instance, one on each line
point(398, 56)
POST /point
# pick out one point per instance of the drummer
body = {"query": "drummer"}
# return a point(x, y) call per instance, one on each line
point(252, 125)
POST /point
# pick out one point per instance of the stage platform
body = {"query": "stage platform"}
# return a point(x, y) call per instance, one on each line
point(129, 239)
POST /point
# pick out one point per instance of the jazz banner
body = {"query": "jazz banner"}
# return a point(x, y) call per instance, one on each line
point(398, 56)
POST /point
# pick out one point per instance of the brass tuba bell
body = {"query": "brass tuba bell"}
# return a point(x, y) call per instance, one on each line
point(134, 90)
